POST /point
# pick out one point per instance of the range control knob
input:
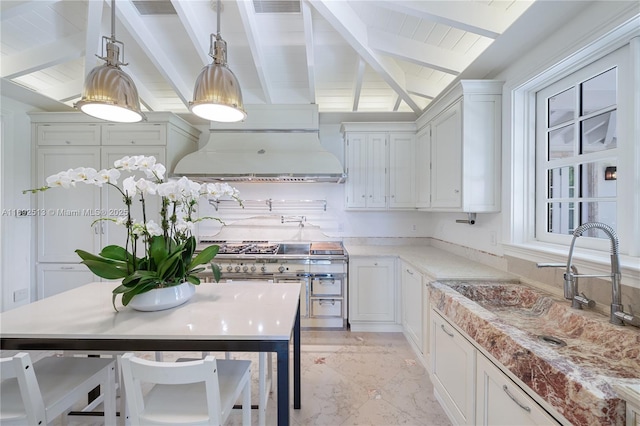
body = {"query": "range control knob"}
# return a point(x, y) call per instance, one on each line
point(229, 268)
point(281, 269)
point(253, 269)
point(237, 268)
point(245, 268)
point(263, 268)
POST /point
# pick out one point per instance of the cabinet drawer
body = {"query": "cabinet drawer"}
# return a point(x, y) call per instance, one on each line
point(134, 134)
point(326, 308)
point(326, 286)
point(68, 134)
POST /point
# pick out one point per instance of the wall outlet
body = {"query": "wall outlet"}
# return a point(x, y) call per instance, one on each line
point(20, 295)
point(414, 227)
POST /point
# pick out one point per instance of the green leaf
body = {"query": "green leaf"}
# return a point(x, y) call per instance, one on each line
point(204, 256)
point(88, 256)
point(189, 249)
point(158, 249)
point(140, 277)
point(193, 279)
point(105, 269)
point(217, 273)
point(126, 297)
point(169, 265)
point(116, 253)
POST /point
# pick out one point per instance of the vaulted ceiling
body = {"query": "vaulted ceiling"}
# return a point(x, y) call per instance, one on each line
point(344, 55)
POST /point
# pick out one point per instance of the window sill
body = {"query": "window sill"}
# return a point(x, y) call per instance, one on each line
point(587, 261)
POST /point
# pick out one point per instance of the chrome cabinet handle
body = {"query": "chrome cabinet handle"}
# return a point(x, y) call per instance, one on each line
point(445, 330)
point(326, 302)
point(513, 398)
point(409, 272)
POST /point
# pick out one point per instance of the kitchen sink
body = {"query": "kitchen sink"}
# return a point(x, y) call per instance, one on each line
point(586, 336)
point(294, 248)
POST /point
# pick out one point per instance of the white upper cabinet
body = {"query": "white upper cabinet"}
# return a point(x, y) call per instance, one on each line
point(380, 166)
point(464, 128)
point(423, 168)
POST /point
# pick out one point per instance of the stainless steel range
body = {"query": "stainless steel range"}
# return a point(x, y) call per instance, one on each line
point(321, 268)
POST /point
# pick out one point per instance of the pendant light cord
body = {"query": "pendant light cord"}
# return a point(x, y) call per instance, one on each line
point(113, 20)
point(218, 16)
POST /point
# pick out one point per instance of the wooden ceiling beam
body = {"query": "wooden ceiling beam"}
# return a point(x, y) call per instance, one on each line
point(349, 25)
point(307, 23)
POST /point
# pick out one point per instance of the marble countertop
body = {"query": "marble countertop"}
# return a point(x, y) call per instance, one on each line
point(577, 379)
point(436, 263)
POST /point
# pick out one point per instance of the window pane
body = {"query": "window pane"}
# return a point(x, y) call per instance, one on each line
point(561, 143)
point(562, 107)
point(599, 133)
point(593, 182)
point(560, 218)
point(598, 211)
point(561, 182)
point(599, 92)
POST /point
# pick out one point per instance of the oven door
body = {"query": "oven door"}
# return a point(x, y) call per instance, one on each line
point(304, 281)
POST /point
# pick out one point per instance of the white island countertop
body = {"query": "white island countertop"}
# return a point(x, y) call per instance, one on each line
point(238, 311)
point(437, 263)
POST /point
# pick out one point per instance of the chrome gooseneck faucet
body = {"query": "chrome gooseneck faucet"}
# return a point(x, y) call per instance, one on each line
point(618, 316)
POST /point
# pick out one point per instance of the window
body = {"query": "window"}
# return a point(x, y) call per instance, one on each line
point(576, 151)
point(574, 154)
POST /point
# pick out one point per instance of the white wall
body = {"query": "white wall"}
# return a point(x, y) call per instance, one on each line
point(17, 267)
point(596, 19)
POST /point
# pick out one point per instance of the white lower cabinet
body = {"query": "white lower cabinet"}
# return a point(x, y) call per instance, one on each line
point(54, 278)
point(453, 361)
point(471, 388)
point(372, 294)
point(501, 402)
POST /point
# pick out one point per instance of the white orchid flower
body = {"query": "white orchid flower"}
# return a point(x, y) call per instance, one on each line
point(146, 187)
point(125, 163)
point(168, 190)
point(153, 228)
point(129, 186)
point(122, 220)
point(145, 163)
point(184, 226)
point(61, 179)
point(156, 171)
point(83, 174)
point(107, 176)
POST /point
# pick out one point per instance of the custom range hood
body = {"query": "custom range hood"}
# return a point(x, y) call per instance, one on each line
point(275, 144)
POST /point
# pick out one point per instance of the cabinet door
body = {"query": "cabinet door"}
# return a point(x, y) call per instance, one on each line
point(54, 278)
point(377, 171)
point(412, 304)
point(446, 158)
point(501, 402)
point(372, 290)
point(64, 224)
point(453, 361)
point(401, 171)
point(112, 204)
point(134, 134)
point(356, 159)
point(423, 169)
point(68, 134)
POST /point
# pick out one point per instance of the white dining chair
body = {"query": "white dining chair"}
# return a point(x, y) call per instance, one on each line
point(198, 392)
point(37, 393)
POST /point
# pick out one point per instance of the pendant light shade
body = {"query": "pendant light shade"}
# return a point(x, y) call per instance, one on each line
point(217, 95)
point(109, 93)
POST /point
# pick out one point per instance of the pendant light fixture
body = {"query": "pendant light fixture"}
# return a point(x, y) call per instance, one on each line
point(109, 93)
point(217, 95)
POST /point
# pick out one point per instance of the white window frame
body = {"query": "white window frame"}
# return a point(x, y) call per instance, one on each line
point(612, 60)
point(520, 167)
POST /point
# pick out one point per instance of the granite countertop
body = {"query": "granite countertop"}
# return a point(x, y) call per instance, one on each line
point(436, 263)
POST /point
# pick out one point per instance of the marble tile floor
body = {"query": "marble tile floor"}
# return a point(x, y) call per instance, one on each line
point(348, 379)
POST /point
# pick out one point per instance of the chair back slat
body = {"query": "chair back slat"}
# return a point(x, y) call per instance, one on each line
point(20, 367)
point(137, 372)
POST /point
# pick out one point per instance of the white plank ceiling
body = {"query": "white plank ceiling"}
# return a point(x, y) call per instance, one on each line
point(344, 55)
